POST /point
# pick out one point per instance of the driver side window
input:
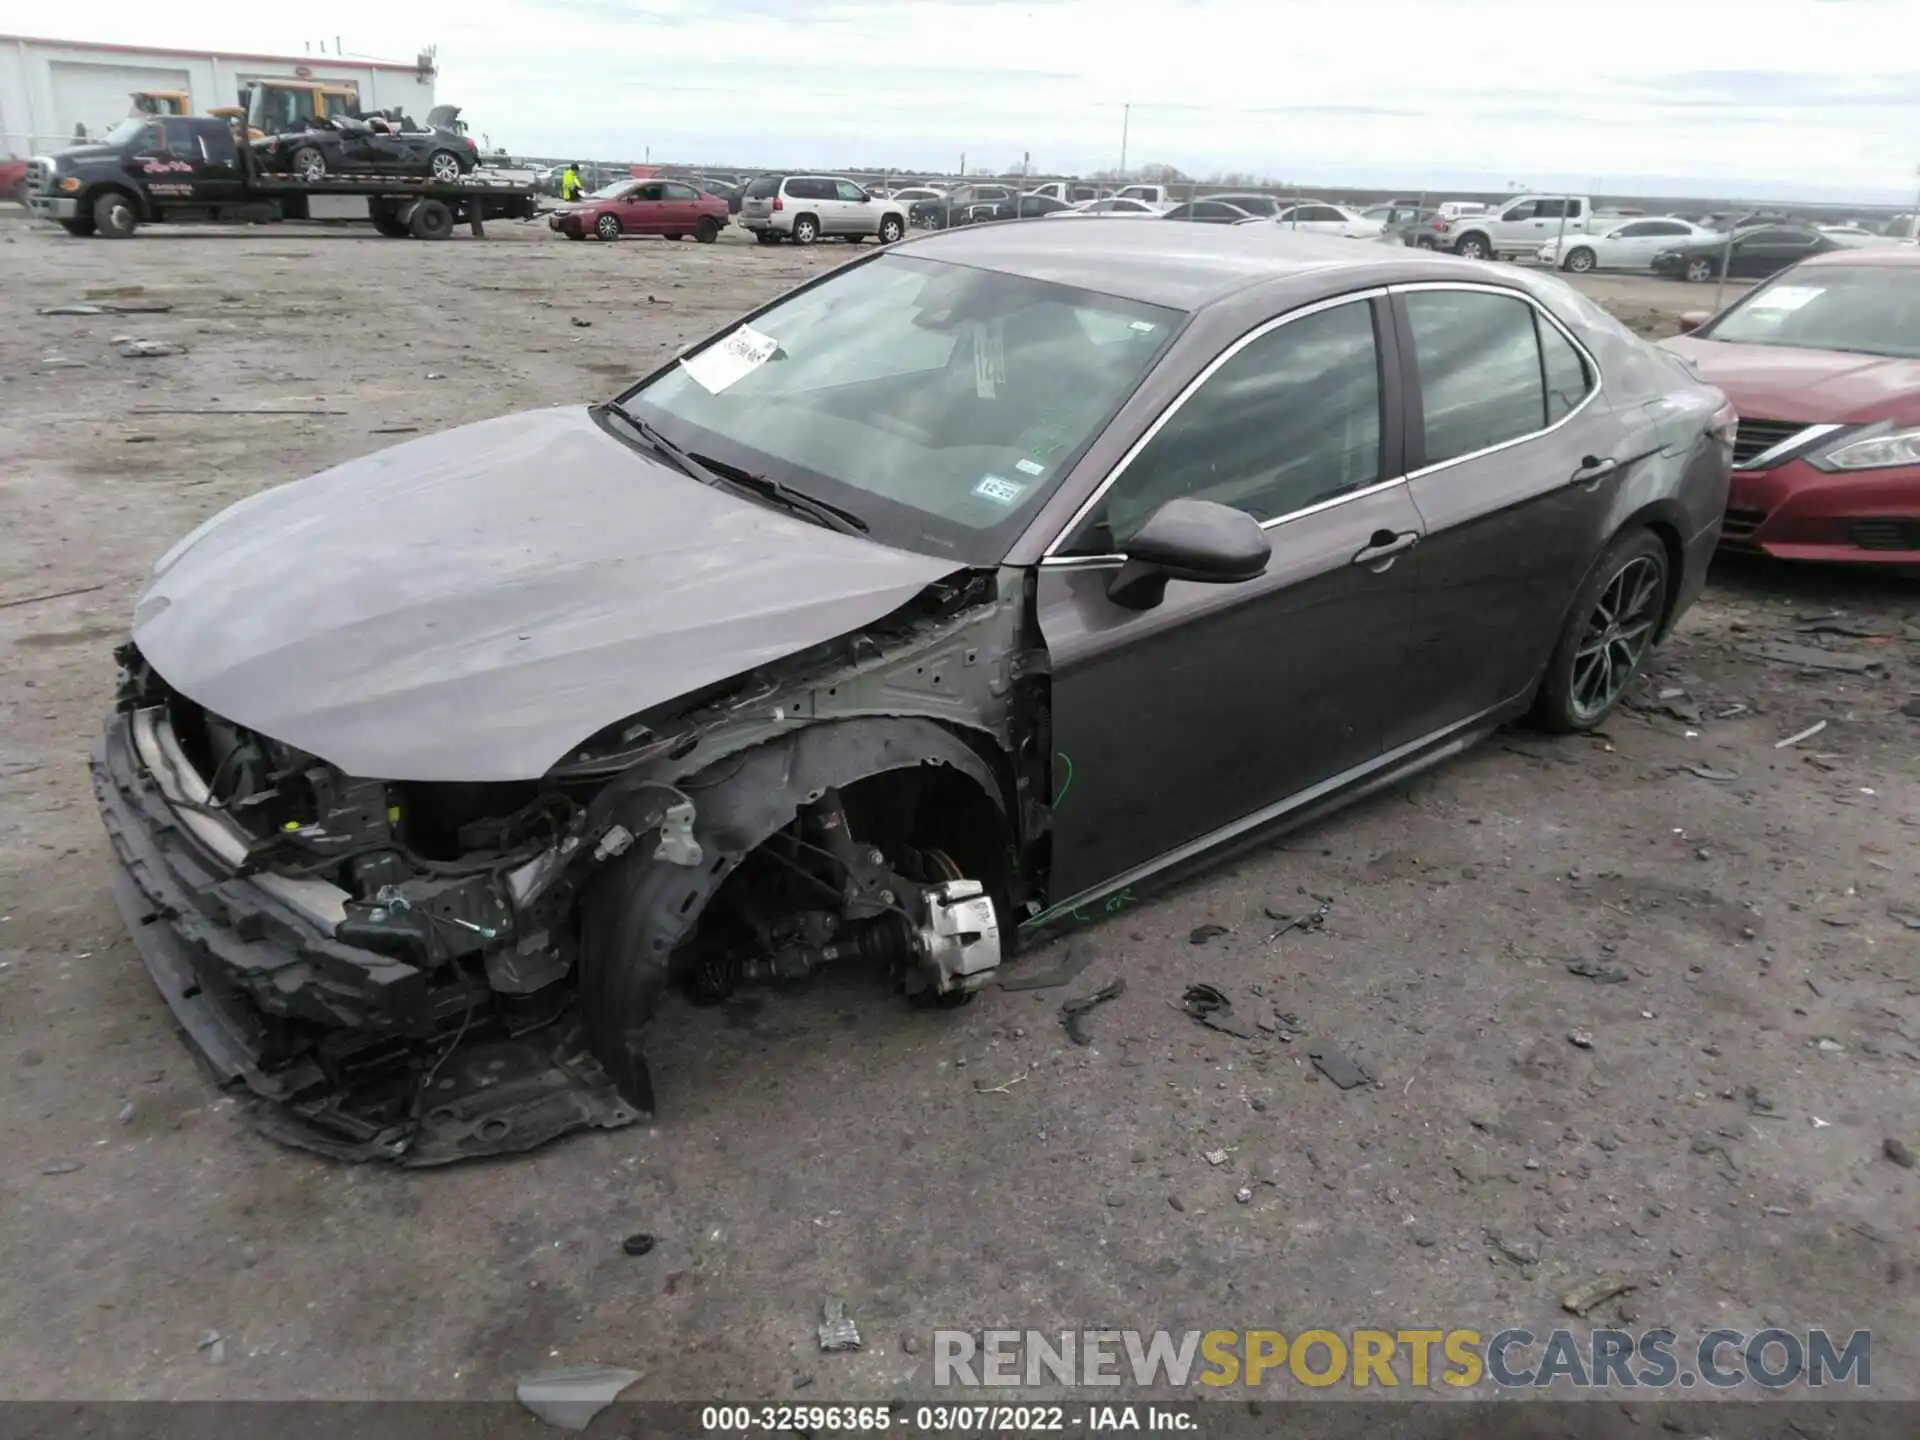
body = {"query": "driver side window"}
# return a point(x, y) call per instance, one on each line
point(1290, 420)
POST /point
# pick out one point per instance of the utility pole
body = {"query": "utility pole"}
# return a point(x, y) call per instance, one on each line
point(1126, 115)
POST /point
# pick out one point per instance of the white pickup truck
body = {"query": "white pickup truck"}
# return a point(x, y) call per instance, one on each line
point(1519, 226)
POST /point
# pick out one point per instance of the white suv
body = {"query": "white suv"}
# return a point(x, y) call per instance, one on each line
point(806, 208)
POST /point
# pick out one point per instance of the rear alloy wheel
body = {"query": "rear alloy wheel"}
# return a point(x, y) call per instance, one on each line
point(1609, 634)
point(707, 231)
point(891, 229)
point(1580, 261)
point(444, 166)
point(1472, 247)
point(309, 164)
point(1699, 270)
point(607, 227)
point(806, 230)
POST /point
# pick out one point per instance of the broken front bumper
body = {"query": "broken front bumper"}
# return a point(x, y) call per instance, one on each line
point(358, 1055)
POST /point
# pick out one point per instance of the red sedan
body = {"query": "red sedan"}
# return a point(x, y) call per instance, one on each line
point(671, 208)
point(1823, 364)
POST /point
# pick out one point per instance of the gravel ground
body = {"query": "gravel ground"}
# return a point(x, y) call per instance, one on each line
point(1718, 1134)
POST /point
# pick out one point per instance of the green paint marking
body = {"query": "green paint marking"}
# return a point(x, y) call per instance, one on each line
point(1066, 761)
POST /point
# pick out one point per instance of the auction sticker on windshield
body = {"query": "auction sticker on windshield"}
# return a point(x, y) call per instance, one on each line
point(999, 489)
point(1784, 297)
point(731, 360)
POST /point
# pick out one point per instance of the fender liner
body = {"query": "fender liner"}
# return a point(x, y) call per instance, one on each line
point(634, 916)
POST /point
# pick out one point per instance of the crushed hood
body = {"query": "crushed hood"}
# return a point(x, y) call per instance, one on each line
point(1814, 387)
point(471, 606)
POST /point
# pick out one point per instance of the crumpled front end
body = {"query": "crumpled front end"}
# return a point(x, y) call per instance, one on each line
point(380, 964)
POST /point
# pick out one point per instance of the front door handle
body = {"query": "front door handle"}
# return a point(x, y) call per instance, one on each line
point(1384, 546)
point(1593, 471)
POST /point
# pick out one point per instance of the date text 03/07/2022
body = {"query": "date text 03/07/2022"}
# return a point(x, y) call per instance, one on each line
point(948, 1419)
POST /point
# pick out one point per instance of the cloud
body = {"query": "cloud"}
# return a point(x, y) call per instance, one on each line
point(1425, 93)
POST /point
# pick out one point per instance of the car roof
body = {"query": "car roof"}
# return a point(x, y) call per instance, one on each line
point(1182, 267)
point(1896, 255)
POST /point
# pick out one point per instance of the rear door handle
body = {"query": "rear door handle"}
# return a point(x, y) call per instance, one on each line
point(1384, 547)
point(1592, 471)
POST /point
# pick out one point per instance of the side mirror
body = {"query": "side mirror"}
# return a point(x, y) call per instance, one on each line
point(1198, 540)
point(1692, 320)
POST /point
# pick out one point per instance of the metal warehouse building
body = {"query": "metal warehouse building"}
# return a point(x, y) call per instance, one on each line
point(48, 88)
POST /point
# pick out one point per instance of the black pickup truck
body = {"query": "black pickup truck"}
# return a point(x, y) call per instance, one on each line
point(172, 168)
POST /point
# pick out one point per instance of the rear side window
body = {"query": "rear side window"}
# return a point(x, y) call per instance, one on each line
point(765, 186)
point(1481, 378)
point(1565, 370)
point(847, 190)
point(682, 192)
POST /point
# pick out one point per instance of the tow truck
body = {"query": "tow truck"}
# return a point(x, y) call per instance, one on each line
point(154, 169)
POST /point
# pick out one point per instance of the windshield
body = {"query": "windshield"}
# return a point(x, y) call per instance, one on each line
point(615, 190)
point(1872, 309)
point(128, 131)
point(939, 403)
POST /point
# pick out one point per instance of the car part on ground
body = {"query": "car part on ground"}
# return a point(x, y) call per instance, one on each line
point(807, 650)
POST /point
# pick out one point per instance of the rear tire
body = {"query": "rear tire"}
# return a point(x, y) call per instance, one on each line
point(806, 230)
point(707, 231)
point(1608, 635)
point(1473, 247)
point(607, 227)
point(431, 221)
point(444, 166)
point(114, 216)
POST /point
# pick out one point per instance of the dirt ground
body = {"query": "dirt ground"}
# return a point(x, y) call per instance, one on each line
point(1720, 1139)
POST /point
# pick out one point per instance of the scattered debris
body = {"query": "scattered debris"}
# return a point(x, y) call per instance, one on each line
point(1906, 917)
point(1758, 1103)
point(1519, 1252)
point(580, 324)
point(837, 1330)
point(1897, 1151)
point(1818, 1123)
point(1074, 1012)
point(640, 1244)
point(61, 362)
point(1201, 934)
point(1836, 624)
point(1806, 734)
point(1209, 1005)
point(74, 310)
point(50, 595)
point(1004, 1088)
point(1338, 1067)
point(802, 1379)
point(1176, 1202)
point(395, 430)
point(1244, 1195)
point(1215, 1157)
point(1077, 958)
point(138, 307)
point(1709, 772)
point(214, 1345)
point(1313, 920)
point(218, 410)
point(1598, 973)
point(135, 349)
point(1582, 1298)
point(1811, 657)
point(1826, 1045)
point(1580, 1037)
point(63, 1167)
point(571, 1398)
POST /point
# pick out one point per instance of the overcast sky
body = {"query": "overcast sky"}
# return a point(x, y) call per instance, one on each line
point(1789, 98)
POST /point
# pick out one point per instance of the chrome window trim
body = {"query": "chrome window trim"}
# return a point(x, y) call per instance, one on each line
point(1174, 406)
point(1593, 365)
point(1774, 454)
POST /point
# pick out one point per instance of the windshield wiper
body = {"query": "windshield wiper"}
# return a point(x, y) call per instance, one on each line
point(717, 473)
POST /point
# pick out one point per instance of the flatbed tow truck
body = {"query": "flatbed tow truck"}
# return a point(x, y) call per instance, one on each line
point(193, 168)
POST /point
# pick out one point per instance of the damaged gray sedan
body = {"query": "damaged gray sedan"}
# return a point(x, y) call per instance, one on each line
point(961, 595)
